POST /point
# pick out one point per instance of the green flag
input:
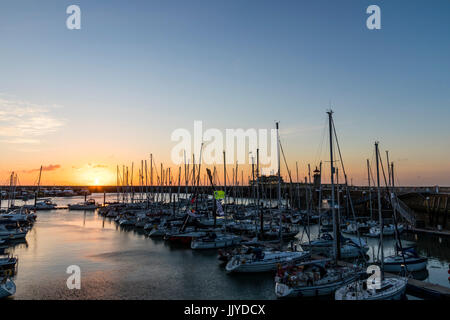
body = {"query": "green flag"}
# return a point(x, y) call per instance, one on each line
point(219, 195)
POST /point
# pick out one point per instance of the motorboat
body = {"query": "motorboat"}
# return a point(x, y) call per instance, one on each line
point(87, 205)
point(45, 204)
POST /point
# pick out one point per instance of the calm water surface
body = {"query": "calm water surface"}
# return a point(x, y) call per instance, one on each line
point(123, 264)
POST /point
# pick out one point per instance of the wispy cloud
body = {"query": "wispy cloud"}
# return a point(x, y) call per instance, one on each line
point(21, 122)
point(90, 166)
point(50, 167)
point(97, 165)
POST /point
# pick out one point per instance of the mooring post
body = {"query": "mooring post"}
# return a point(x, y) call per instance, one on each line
point(444, 223)
point(431, 211)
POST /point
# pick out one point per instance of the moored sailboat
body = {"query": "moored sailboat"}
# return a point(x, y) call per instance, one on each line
point(380, 288)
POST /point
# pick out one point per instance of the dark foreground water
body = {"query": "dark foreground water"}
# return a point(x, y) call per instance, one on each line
point(123, 264)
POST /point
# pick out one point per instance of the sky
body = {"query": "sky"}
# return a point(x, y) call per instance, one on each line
point(81, 102)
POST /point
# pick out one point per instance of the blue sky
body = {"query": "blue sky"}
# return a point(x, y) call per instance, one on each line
point(113, 91)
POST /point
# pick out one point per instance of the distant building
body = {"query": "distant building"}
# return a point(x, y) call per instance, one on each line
point(272, 179)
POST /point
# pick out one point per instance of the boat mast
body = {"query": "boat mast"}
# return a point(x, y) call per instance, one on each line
point(370, 191)
point(297, 187)
point(336, 234)
point(38, 187)
point(117, 183)
point(259, 211)
point(380, 215)
point(279, 181)
point(389, 168)
point(224, 183)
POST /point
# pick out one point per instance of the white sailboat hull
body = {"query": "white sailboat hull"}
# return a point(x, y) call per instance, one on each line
point(396, 288)
point(221, 243)
point(284, 291)
point(412, 264)
point(243, 265)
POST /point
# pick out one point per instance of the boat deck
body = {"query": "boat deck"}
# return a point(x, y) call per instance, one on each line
point(417, 288)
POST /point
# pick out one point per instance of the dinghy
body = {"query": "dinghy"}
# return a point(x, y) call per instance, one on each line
point(7, 287)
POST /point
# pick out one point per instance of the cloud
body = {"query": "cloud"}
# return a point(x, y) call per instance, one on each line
point(21, 141)
point(97, 165)
point(50, 167)
point(100, 166)
point(21, 122)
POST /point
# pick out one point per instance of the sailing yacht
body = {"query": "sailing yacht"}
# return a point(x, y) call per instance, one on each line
point(350, 248)
point(312, 279)
point(260, 260)
point(380, 288)
point(406, 258)
point(264, 261)
point(389, 289)
point(388, 230)
point(11, 234)
point(213, 241)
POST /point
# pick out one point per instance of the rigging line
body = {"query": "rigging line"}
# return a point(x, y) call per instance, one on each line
point(372, 160)
point(346, 183)
point(320, 146)
point(397, 234)
point(285, 162)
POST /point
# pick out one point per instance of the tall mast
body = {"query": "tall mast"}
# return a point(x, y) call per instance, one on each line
point(336, 231)
point(297, 186)
point(39, 186)
point(388, 167)
point(279, 179)
point(224, 183)
point(258, 210)
point(380, 215)
point(117, 182)
point(370, 191)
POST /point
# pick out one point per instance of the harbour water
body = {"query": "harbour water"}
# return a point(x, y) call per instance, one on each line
point(119, 263)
